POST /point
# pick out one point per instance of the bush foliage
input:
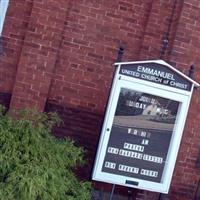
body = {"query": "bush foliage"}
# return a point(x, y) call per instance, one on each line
point(34, 165)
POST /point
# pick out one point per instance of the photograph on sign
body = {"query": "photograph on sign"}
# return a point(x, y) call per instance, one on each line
point(140, 135)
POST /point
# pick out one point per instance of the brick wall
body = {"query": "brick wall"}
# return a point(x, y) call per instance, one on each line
point(185, 52)
point(92, 34)
point(57, 55)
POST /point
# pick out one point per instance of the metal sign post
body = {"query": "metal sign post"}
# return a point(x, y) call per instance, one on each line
point(112, 192)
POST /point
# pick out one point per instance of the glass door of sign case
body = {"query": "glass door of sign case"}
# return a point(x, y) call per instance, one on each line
point(145, 127)
point(140, 136)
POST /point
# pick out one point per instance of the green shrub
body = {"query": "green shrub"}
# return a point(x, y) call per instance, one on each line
point(34, 165)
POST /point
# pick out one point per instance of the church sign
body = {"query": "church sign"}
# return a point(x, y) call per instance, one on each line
point(143, 125)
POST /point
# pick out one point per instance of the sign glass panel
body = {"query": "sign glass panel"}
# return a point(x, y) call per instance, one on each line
point(140, 135)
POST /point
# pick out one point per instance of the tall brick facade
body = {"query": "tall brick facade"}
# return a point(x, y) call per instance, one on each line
point(57, 55)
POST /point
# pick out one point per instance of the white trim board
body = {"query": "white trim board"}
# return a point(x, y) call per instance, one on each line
point(3, 9)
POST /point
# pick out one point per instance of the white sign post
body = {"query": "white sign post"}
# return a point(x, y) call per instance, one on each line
point(143, 125)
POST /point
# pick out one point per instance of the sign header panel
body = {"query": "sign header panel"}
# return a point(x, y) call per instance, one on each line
point(156, 73)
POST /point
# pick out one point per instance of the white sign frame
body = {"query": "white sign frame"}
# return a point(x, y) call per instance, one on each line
point(184, 97)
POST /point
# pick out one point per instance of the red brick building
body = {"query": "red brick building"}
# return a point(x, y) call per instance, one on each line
point(57, 55)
